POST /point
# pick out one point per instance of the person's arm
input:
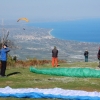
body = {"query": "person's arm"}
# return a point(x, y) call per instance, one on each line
point(57, 52)
point(84, 53)
point(98, 54)
point(7, 49)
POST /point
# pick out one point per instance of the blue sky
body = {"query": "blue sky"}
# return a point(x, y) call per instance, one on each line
point(49, 10)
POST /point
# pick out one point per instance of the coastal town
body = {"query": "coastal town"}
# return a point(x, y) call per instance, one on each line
point(36, 42)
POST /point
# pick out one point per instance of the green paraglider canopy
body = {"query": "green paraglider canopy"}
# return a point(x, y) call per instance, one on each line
point(69, 72)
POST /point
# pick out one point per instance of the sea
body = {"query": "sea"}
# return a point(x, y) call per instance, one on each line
point(84, 30)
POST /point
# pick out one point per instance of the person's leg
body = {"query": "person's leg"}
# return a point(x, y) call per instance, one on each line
point(0, 67)
point(3, 68)
point(99, 63)
point(86, 59)
point(52, 61)
point(56, 62)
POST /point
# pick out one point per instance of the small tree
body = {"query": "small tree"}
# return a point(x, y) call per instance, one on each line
point(4, 40)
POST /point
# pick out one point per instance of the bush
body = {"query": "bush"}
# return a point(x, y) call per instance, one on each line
point(30, 62)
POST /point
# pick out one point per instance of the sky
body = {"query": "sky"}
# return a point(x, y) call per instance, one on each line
point(49, 10)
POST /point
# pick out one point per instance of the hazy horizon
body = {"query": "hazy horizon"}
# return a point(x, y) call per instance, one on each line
point(49, 10)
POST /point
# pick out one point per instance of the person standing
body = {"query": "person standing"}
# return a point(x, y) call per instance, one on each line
point(86, 55)
point(55, 57)
point(3, 53)
point(98, 56)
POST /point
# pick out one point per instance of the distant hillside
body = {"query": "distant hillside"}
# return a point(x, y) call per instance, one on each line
point(32, 42)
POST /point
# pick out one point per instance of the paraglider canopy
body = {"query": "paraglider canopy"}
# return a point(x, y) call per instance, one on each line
point(25, 19)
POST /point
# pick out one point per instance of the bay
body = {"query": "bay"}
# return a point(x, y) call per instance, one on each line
point(86, 30)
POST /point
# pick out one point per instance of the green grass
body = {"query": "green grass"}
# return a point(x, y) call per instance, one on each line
point(21, 77)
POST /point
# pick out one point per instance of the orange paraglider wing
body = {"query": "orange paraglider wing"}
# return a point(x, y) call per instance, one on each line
point(25, 19)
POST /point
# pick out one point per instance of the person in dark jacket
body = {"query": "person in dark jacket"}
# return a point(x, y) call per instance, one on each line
point(98, 56)
point(86, 55)
point(3, 57)
point(55, 57)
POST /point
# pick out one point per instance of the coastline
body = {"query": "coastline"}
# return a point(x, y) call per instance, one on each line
point(50, 33)
point(73, 31)
point(91, 42)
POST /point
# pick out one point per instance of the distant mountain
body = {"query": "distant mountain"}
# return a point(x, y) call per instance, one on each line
point(32, 42)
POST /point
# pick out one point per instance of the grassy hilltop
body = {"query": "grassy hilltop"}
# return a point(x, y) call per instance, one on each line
point(19, 76)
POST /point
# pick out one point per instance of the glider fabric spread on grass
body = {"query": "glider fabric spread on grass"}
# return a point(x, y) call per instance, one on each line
point(69, 72)
point(53, 93)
